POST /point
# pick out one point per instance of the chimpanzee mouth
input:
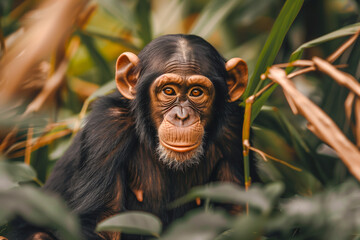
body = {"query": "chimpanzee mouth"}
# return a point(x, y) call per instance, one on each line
point(180, 160)
point(180, 148)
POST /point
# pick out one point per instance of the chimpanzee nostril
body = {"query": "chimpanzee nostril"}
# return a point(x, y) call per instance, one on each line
point(182, 114)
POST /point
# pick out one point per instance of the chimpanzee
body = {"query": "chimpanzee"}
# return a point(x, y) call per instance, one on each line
point(173, 124)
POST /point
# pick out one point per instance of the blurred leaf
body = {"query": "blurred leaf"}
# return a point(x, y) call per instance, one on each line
point(342, 32)
point(132, 222)
point(273, 143)
point(122, 10)
point(197, 225)
point(60, 148)
point(107, 88)
point(232, 193)
point(332, 214)
point(212, 15)
point(143, 17)
point(273, 44)
point(102, 65)
point(40, 162)
point(253, 10)
point(40, 209)
point(17, 171)
point(6, 183)
point(249, 227)
point(122, 41)
point(272, 119)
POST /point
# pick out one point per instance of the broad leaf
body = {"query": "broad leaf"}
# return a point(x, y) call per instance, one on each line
point(19, 172)
point(234, 194)
point(141, 223)
point(197, 225)
point(39, 209)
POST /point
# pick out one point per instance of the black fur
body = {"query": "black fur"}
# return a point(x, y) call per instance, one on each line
point(114, 152)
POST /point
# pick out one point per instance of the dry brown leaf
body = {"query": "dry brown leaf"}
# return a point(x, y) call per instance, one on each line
point(320, 123)
point(54, 20)
point(17, 150)
point(47, 139)
point(49, 89)
point(265, 156)
point(28, 146)
point(9, 139)
point(340, 77)
point(301, 71)
point(348, 107)
point(343, 47)
point(357, 117)
point(83, 88)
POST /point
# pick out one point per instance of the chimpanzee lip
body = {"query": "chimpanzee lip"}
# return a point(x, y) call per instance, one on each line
point(180, 148)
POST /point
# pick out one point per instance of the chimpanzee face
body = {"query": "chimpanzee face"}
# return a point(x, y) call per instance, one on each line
point(182, 108)
point(183, 94)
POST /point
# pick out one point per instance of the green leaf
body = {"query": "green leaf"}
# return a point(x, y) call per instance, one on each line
point(198, 225)
point(278, 32)
point(122, 10)
point(345, 31)
point(99, 61)
point(249, 227)
point(133, 222)
point(39, 209)
point(232, 193)
point(212, 15)
point(17, 171)
point(120, 40)
point(107, 88)
point(342, 32)
point(143, 17)
point(259, 102)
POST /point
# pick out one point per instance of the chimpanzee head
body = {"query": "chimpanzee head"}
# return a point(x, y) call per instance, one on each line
point(179, 88)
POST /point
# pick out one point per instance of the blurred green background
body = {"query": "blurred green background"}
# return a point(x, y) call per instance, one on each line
point(47, 103)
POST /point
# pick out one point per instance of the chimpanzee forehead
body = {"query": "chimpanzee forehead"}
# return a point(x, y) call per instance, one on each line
point(182, 54)
point(176, 79)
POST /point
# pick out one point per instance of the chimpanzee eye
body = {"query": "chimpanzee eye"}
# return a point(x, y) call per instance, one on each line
point(169, 91)
point(196, 92)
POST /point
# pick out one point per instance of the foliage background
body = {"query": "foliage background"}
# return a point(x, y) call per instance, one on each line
point(59, 56)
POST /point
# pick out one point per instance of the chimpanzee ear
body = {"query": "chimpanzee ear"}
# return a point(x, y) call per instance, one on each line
point(125, 77)
point(238, 78)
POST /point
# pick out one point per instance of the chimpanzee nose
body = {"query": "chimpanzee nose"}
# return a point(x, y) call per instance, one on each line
point(181, 116)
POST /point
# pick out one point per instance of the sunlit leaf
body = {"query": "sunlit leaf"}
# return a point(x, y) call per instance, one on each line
point(133, 223)
point(273, 43)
